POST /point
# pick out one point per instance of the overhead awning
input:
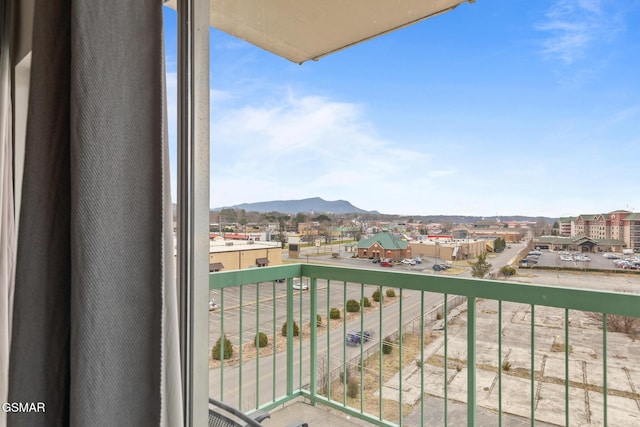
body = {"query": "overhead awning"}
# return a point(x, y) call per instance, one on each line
point(260, 262)
point(300, 30)
point(215, 266)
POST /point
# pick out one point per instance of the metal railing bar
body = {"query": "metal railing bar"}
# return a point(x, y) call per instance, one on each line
point(566, 366)
point(446, 362)
point(257, 344)
point(361, 347)
point(314, 334)
point(300, 332)
point(289, 335)
point(222, 344)
point(328, 373)
point(275, 331)
point(400, 358)
point(240, 347)
point(380, 351)
point(471, 361)
point(344, 345)
point(500, 358)
point(533, 366)
point(604, 365)
point(422, 356)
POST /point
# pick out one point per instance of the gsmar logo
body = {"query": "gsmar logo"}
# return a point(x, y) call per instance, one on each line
point(23, 407)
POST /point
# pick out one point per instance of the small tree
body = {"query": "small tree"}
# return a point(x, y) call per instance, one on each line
point(507, 271)
point(391, 293)
point(334, 313)
point(366, 302)
point(318, 320)
point(353, 387)
point(481, 267)
point(387, 346)
point(353, 306)
point(376, 295)
point(296, 329)
point(218, 353)
point(261, 339)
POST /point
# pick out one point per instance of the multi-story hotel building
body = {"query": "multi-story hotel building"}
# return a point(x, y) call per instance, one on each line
point(617, 225)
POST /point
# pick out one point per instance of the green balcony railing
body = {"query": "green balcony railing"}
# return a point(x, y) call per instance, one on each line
point(433, 346)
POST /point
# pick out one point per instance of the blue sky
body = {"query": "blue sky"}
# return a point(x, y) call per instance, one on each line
point(498, 107)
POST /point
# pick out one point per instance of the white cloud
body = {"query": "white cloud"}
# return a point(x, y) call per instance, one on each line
point(573, 27)
point(301, 146)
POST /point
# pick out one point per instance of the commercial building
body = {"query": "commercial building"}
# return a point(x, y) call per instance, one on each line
point(384, 245)
point(226, 255)
point(620, 225)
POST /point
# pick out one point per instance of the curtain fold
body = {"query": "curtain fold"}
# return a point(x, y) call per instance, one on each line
point(93, 296)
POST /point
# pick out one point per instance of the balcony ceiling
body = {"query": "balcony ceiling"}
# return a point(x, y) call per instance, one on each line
point(300, 30)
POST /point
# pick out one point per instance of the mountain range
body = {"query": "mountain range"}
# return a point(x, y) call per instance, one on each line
point(313, 204)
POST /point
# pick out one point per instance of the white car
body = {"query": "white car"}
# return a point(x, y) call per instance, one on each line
point(408, 261)
point(212, 305)
point(300, 286)
point(566, 258)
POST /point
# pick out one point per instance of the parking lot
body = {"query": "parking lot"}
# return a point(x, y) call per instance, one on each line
point(559, 259)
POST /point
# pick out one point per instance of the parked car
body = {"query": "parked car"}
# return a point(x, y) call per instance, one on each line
point(299, 285)
point(566, 258)
point(418, 260)
point(212, 305)
point(375, 260)
point(386, 264)
point(440, 267)
point(408, 261)
point(355, 337)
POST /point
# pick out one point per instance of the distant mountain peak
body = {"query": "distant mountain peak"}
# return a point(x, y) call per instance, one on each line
point(311, 204)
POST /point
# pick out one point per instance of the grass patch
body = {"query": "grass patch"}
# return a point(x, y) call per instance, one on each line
point(372, 377)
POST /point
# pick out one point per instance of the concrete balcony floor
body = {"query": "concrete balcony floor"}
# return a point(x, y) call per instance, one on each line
point(321, 415)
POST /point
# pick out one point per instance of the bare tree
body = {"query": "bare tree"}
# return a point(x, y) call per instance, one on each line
point(323, 376)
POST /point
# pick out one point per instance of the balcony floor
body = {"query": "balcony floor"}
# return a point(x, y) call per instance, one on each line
point(323, 416)
point(312, 415)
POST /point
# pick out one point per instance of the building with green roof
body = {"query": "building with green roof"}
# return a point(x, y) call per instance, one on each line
point(384, 245)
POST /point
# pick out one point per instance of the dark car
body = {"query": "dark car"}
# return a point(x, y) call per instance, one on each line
point(440, 267)
point(375, 260)
point(356, 337)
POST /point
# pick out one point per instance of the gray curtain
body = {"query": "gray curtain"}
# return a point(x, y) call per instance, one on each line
point(91, 309)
